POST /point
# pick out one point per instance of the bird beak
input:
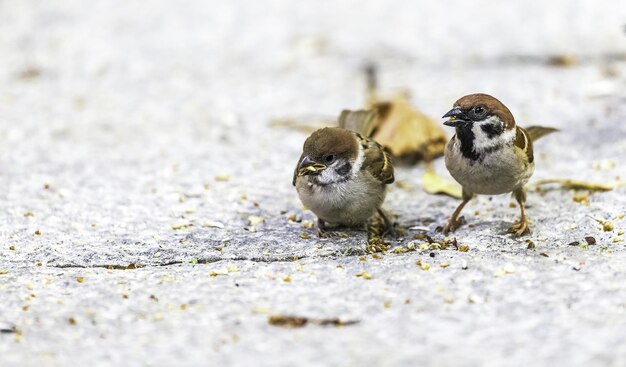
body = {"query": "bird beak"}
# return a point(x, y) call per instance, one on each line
point(457, 117)
point(309, 167)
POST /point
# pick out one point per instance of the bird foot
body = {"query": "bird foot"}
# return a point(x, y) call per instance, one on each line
point(453, 224)
point(321, 233)
point(520, 228)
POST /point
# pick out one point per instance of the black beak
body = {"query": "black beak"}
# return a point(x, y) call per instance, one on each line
point(306, 161)
point(457, 117)
point(308, 166)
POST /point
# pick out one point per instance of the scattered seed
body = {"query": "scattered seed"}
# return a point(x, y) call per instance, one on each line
point(181, 226)
point(80, 279)
point(213, 224)
point(364, 275)
point(590, 240)
point(254, 220)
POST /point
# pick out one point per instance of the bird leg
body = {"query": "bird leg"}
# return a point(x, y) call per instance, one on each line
point(389, 225)
point(521, 227)
point(455, 222)
point(321, 230)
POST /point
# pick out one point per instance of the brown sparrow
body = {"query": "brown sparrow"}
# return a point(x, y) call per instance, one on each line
point(489, 155)
point(341, 176)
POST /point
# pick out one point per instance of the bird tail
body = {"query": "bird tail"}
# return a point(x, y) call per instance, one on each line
point(363, 122)
point(371, 81)
point(537, 132)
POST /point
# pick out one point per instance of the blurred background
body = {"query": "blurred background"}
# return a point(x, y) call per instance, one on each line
point(147, 132)
point(123, 105)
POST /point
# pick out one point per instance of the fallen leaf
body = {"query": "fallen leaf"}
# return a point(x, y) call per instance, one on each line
point(580, 185)
point(564, 61)
point(435, 184)
point(291, 322)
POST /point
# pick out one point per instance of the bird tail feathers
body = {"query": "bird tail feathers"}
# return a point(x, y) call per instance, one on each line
point(537, 132)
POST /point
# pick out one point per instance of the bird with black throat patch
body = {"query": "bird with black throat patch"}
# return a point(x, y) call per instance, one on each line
point(342, 176)
point(490, 154)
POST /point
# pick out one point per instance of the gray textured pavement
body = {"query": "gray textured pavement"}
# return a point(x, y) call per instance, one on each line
point(147, 213)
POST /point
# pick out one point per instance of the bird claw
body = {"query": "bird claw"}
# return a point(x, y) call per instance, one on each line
point(325, 234)
point(452, 225)
point(520, 228)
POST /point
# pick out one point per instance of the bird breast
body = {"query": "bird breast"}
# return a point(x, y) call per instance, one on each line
point(495, 172)
point(348, 203)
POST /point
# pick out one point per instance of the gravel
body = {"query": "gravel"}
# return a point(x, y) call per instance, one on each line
point(148, 214)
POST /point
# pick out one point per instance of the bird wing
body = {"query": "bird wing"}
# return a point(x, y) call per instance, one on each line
point(377, 161)
point(363, 122)
point(525, 137)
point(295, 171)
point(524, 143)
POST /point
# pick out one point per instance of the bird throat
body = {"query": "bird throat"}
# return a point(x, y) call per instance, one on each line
point(477, 143)
point(466, 139)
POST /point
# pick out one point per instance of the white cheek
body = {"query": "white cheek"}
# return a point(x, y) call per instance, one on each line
point(482, 140)
point(329, 175)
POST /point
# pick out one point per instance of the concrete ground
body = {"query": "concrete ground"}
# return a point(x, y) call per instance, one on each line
point(148, 217)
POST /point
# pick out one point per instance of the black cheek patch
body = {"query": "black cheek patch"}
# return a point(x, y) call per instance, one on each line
point(492, 130)
point(344, 170)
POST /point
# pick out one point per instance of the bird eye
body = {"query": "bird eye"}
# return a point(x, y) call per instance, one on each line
point(329, 158)
point(478, 110)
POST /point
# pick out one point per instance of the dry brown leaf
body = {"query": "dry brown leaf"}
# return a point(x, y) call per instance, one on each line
point(435, 184)
point(580, 185)
point(406, 132)
point(303, 124)
point(299, 321)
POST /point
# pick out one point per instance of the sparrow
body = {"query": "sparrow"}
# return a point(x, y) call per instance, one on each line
point(490, 154)
point(341, 176)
